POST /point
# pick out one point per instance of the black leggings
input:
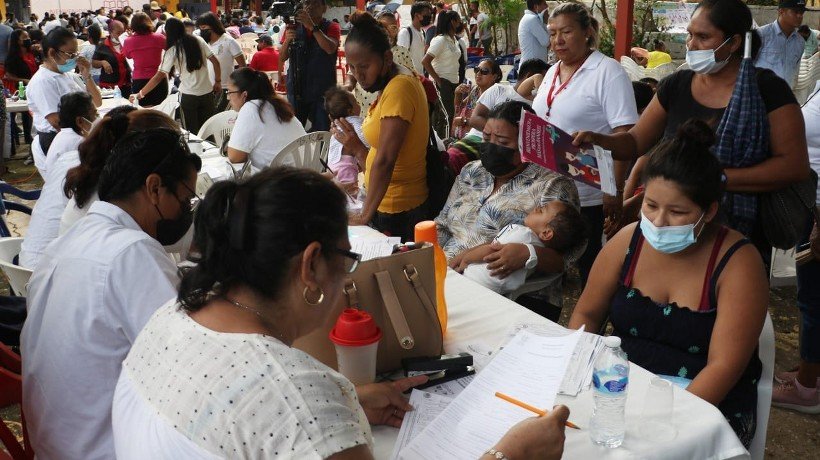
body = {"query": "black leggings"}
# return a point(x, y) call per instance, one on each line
point(155, 96)
point(196, 110)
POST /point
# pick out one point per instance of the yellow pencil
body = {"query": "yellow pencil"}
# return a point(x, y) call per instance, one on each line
point(524, 405)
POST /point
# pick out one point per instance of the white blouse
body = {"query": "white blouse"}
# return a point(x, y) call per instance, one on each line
point(92, 292)
point(209, 394)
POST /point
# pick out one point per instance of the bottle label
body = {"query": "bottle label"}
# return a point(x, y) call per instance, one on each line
point(613, 381)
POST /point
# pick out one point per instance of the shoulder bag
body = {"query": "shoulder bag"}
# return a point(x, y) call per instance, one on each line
point(399, 292)
point(786, 213)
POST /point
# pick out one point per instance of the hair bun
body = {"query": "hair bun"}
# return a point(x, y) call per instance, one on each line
point(696, 133)
point(363, 19)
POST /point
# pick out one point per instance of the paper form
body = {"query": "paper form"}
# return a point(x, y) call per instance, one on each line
point(530, 368)
point(426, 407)
point(579, 370)
point(372, 248)
point(452, 388)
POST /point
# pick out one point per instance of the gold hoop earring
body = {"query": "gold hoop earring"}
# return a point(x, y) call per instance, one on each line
point(318, 302)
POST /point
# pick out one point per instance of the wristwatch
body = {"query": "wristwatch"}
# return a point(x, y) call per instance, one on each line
point(532, 262)
point(314, 28)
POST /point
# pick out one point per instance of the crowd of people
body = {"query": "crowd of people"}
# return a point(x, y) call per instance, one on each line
point(183, 368)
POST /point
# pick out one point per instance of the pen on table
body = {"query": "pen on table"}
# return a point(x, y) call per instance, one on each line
point(524, 405)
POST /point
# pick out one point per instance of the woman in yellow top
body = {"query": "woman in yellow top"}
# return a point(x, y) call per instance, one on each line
point(658, 55)
point(397, 127)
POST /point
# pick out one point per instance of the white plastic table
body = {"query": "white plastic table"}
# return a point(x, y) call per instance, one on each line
point(478, 315)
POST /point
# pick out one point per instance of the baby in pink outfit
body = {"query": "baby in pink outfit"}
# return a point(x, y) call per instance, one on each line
point(340, 103)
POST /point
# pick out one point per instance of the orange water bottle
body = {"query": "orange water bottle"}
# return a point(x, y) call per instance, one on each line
point(426, 232)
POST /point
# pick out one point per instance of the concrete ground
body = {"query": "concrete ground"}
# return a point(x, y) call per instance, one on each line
point(790, 434)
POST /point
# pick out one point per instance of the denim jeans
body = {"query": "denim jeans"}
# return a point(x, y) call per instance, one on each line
point(808, 301)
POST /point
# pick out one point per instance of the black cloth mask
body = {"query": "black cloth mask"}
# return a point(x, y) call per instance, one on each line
point(497, 159)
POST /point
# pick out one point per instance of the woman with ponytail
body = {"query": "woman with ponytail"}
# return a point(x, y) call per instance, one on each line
point(686, 294)
point(214, 374)
point(266, 122)
point(189, 55)
point(77, 112)
point(397, 128)
point(82, 180)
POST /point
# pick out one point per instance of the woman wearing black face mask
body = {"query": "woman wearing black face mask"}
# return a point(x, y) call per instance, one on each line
point(397, 126)
point(111, 274)
point(498, 190)
point(21, 64)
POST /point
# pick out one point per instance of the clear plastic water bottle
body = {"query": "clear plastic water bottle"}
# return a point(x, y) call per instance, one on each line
point(610, 379)
point(117, 94)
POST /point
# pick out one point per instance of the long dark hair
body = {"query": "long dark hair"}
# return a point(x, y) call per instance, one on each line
point(444, 25)
point(210, 20)
point(81, 181)
point(188, 44)
point(258, 86)
point(247, 233)
point(14, 60)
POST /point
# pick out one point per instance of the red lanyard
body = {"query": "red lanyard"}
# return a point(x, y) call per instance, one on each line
point(550, 96)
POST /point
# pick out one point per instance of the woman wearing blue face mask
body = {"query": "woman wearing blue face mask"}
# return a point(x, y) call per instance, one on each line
point(55, 78)
point(715, 47)
point(686, 294)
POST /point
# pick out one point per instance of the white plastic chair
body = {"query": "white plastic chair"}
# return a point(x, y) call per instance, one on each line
point(633, 70)
point(807, 77)
point(534, 284)
point(661, 71)
point(219, 126)
point(782, 269)
point(17, 275)
point(505, 71)
point(249, 36)
point(765, 351)
point(168, 106)
point(305, 152)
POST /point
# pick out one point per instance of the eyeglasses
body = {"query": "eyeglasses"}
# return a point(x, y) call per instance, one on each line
point(483, 71)
point(69, 55)
point(233, 92)
point(352, 261)
point(193, 202)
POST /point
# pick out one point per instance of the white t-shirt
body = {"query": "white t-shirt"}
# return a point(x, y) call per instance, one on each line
point(513, 233)
point(811, 115)
point(599, 98)
point(226, 50)
point(51, 25)
point(262, 139)
point(44, 225)
point(92, 292)
point(533, 37)
point(65, 141)
point(44, 91)
point(413, 40)
point(474, 22)
point(446, 52)
point(187, 391)
point(493, 97)
point(196, 83)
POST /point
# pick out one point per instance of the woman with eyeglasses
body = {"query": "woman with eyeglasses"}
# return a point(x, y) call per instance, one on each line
point(55, 78)
point(266, 122)
point(95, 288)
point(214, 375)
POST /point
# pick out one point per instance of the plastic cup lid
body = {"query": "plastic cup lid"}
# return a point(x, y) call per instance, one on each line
point(355, 328)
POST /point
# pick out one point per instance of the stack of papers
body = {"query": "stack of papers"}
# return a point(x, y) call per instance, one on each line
point(579, 372)
point(373, 247)
point(530, 368)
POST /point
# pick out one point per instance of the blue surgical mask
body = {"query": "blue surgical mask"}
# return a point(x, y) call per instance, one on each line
point(670, 239)
point(703, 61)
point(68, 66)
